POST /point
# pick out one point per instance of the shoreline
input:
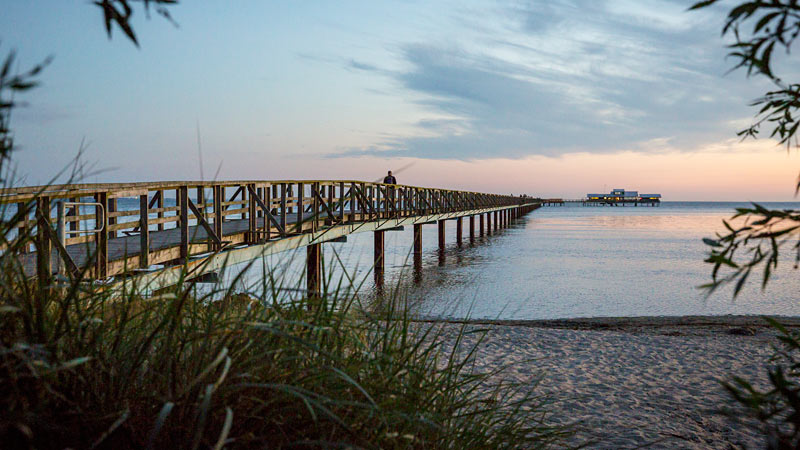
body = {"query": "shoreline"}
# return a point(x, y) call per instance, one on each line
point(742, 325)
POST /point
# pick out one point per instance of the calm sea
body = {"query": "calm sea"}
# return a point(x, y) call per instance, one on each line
point(561, 262)
point(556, 262)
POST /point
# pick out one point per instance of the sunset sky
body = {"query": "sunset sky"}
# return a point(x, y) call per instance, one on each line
point(550, 98)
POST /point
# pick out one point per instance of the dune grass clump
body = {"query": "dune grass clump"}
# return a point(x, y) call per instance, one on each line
point(81, 368)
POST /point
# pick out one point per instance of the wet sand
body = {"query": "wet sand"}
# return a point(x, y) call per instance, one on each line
point(633, 382)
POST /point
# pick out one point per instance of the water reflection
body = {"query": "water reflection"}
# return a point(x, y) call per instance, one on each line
point(555, 262)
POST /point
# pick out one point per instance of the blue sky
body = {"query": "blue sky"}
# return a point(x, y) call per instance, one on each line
point(460, 92)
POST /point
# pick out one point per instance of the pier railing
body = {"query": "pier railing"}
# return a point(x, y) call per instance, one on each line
point(117, 227)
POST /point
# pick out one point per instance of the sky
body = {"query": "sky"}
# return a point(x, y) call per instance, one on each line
point(547, 98)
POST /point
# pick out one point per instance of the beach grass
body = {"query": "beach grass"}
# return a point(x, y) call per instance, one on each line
point(82, 368)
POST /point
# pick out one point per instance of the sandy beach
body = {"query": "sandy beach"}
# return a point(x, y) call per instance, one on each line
point(636, 382)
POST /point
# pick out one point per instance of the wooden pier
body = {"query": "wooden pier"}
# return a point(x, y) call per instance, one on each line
point(153, 233)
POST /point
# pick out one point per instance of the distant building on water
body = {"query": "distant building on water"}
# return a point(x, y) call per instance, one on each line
point(621, 197)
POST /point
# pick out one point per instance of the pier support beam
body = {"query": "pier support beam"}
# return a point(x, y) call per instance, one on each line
point(481, 225)
point(471, 229)
point(459, 231)
point(417, 239)
point(379, 266)
point(417, 253)
point(441, 235)
point(314, 270)
point(488, 224)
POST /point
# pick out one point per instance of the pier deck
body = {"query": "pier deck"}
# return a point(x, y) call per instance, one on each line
point(112, 230)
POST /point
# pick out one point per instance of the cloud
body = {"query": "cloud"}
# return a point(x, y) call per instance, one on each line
point(361, 66)
point(555, 79)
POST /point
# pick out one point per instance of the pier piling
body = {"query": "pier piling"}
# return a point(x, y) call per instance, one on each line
point(314, 270)
point(471, 229)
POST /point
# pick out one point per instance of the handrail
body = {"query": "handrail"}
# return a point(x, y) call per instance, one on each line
point(75, 189)
point(266, 210)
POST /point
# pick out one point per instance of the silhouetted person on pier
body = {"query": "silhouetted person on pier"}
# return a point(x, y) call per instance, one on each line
point(390, 179)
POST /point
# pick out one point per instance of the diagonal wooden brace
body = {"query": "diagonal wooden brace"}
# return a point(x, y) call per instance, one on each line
point(385, 191)
point(202, 221)
point(364, 203)
point(267, 212)
point(62, 251)
point(324, 204)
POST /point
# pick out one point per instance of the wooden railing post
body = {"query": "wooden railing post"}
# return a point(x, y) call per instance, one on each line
point(101, 242)
point(219, 197)
point(362, 205)
point(330, 191)
point(284, 211)
point(315, 207)
point(341, 203)
point(22, 230)
point(144, 232)
point(44, 270)
point(112, 208)
point(300, 207)
point(183, 208)
point(160, 205)
point(380, 210)
point(252, 222)
point(73, 213)
point(244, 194)
point(268, 200)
